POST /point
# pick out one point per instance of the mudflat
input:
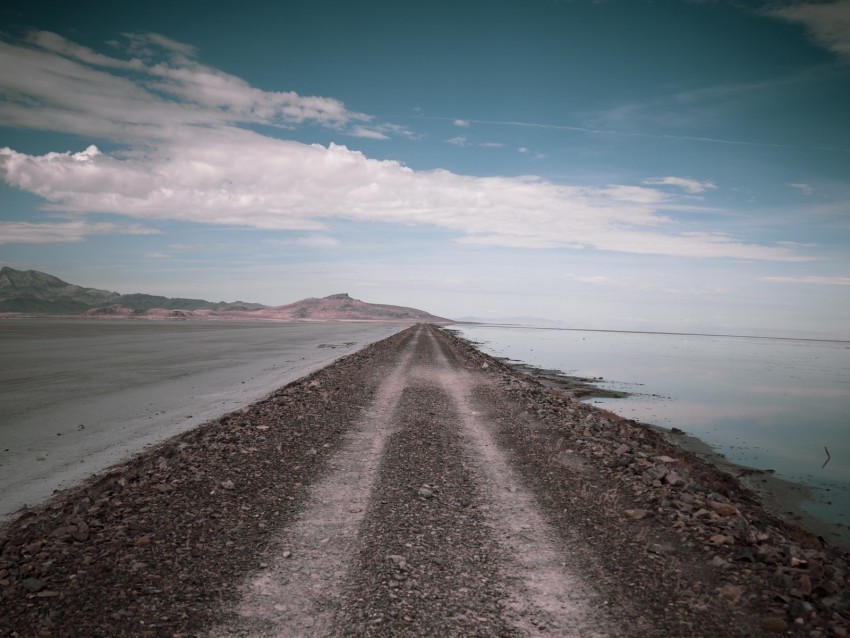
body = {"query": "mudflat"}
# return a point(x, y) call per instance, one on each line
point(79, 396)
point(416, 487)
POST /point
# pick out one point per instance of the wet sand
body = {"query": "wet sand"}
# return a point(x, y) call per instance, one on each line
point(79, 396)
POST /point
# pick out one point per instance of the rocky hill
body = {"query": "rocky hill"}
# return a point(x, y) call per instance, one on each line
point(341, 307)
point(32, 292)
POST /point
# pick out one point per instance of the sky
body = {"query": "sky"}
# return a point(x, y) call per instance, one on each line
point(623, 164)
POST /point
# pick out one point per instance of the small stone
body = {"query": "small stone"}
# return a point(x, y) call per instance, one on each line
point(666, 459)
point(731, 592)
point(228, 484)
point(672, 478)
point(279, 607)
point(143, 540)
point(724, 509)
point(806, 585)
point(82, 532)
point(636, 515)
point(287, 554)
point(425, 492)
point(774, 624)
point(33, 584)
point(622, 449)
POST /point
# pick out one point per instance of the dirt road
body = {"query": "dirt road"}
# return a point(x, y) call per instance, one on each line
point(416, 488)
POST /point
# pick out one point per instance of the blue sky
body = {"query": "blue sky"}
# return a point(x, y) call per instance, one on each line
point(619, 165)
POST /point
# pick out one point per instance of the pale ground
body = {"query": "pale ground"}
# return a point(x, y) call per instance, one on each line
point(79, 396)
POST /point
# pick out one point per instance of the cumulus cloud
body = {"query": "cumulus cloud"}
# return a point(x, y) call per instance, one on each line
point(188, 155)
point(828, 23)
point(688, 185)
point(240, 178)
point(61, 232)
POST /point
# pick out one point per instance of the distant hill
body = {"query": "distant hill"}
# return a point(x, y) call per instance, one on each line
point(341, 307)
point(36, 293)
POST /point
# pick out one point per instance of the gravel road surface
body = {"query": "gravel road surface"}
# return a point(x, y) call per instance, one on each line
point(416, 488)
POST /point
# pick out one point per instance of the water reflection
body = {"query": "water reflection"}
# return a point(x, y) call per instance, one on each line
point(767, 403)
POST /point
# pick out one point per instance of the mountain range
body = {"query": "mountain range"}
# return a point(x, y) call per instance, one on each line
point(32, 292)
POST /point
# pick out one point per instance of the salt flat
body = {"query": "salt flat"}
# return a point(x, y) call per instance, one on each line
point(79, 396)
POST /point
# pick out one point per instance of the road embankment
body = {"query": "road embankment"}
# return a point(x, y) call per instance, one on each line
point(416, 487)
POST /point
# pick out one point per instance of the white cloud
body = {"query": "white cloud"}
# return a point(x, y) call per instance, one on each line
point(156, 255)
point(461, 123)
point(689, 185)
point(828, 23)
point(317, 241)
point(523, 149)
point(17, 232)
point(235, 177)
point(55, 84)
point(362, 131)
point(805, 188)
point(460, 140)
point(491, 144)
point(184, 157)
point(810, 279)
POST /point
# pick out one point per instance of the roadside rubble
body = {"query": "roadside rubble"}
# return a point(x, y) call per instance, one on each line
point(797, 581)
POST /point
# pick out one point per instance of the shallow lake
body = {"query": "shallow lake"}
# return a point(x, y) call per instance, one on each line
point(780, 404)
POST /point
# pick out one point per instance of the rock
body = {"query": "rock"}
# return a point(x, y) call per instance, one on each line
point(724, 509)
point(774, 624)
point(806, 585)
point(228, 485)
point(33, 584)
point(722, 539)
point(622, 449)
point(637, 514)
point(666, 459)
point(731, 592)
point(673, 479)
point(425, 492)
point(82, 532)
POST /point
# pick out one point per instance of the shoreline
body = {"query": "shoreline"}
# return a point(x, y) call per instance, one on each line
point(780, 496)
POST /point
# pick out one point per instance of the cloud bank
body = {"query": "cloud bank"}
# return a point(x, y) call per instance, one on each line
point(190, 155)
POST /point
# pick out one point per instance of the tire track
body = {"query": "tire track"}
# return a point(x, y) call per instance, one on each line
point(543, 593)
point(295, 592)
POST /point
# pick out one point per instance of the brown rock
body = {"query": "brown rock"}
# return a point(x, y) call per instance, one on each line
point(731, 592)
point(636, 515)
point(724, 509)
point(774, 624)
point(622, 449)
point(806, 585)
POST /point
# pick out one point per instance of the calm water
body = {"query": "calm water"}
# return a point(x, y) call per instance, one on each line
point(765, 403)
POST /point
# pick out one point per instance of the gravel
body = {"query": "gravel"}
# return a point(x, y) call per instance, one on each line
point(652, 540)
